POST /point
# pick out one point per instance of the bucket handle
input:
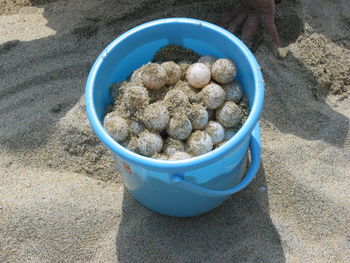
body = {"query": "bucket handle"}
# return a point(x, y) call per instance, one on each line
point(255, 152)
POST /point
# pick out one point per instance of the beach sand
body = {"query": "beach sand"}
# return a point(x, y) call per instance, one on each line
point(61, 198)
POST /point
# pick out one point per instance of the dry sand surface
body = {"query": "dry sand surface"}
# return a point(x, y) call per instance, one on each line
point(61, 199)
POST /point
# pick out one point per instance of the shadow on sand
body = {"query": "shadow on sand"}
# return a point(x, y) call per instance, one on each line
point(238, 231)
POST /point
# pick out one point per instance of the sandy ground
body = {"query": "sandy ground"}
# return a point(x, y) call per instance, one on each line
point(61, 199)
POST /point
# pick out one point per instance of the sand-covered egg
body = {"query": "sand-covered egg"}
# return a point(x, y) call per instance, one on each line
point(199, 143)
point(234, 91)
point(207, 60)
point(191, 93)
point(154, 76)
point(223, 70)
point(179, 127)
point(198, 115)
point(155, 116)
point(215, 131)
point(149, 143)
point(173, 72)
point(229, 115)
point(171, 145)
point(116, 126)
point(135, 97)
point(213, 96)
point(176, 156)
point(176, 100)
point(198, 75)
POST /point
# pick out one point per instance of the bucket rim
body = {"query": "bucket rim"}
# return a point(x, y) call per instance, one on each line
point(195, 162)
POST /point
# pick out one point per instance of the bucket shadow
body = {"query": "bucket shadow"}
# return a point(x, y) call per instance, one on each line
point(238, 231)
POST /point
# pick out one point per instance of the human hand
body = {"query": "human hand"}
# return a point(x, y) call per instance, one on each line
point(248, 15)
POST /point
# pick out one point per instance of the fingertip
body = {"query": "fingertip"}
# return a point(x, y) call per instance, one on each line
point(249, 29)
point(270, 27)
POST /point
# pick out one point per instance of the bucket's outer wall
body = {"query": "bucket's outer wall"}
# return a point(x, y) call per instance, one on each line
point(150, 187)
point(154, 189)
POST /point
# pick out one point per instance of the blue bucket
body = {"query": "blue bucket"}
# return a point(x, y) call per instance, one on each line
point(187, 187)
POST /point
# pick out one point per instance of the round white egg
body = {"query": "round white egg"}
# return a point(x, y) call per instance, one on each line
point(198, 75)
point(215, 131)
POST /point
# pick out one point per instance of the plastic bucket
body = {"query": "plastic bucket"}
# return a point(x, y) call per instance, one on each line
point(188, 187)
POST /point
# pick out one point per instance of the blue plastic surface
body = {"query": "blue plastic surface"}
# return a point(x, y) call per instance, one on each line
point(151, 181)
point(255, 150)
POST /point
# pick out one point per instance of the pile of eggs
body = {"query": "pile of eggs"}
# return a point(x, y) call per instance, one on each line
point(173, 111)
